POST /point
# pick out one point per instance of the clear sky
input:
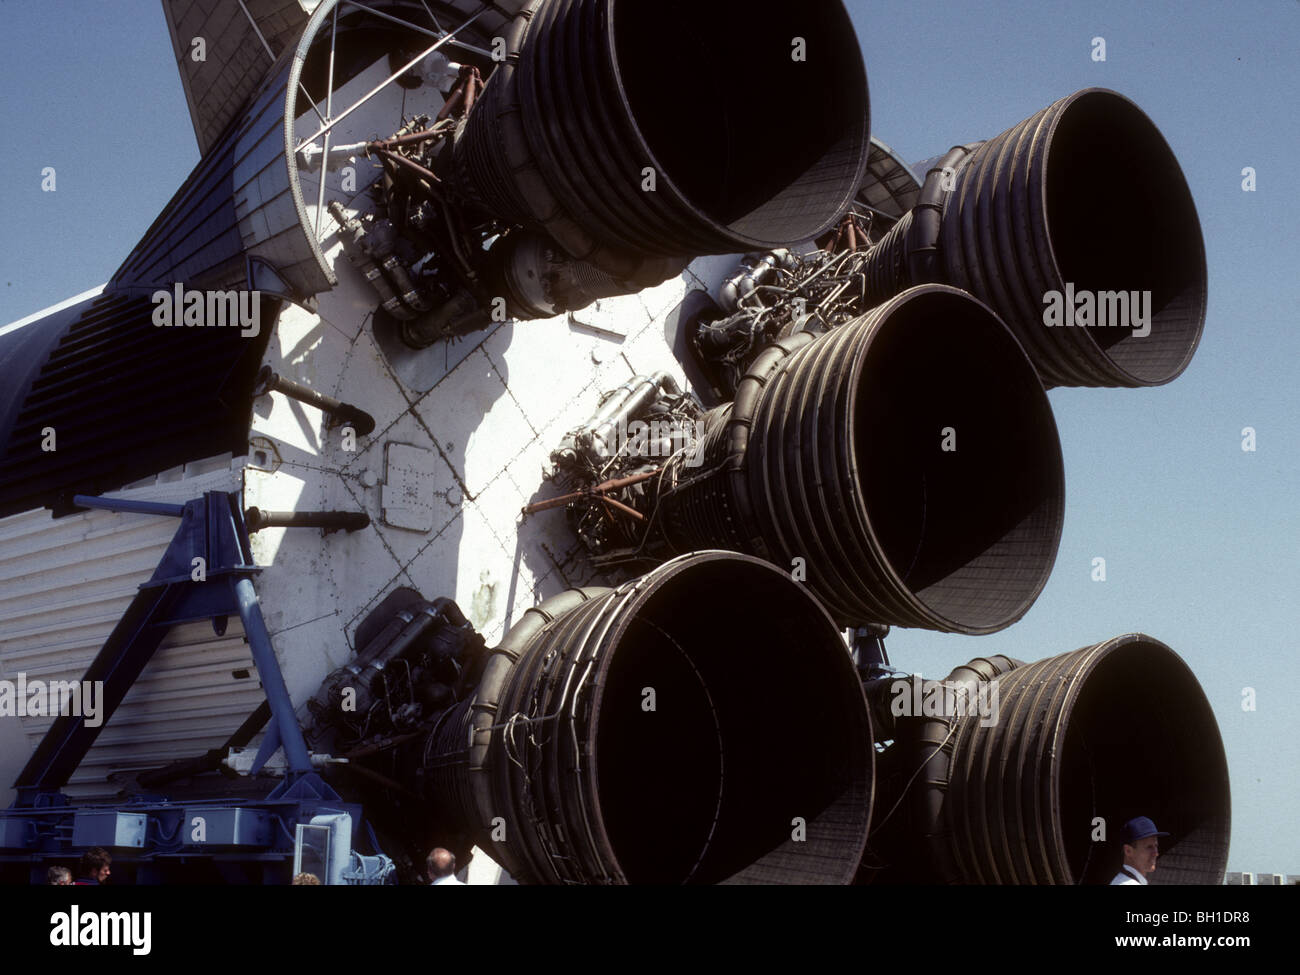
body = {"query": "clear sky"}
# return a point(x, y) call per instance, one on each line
point(1201, 539)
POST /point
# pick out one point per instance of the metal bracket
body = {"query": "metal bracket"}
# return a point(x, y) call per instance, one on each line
point(206, 573)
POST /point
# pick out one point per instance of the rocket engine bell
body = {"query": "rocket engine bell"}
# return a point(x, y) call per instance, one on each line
point(1085, 195)
point(909, 459)
point(634, 735)
point(1034, 792)
point(631, 145)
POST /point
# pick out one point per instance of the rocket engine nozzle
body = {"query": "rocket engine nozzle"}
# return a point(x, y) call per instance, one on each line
point(627, 140)
point(1083, 198)
point(907, 461)
point(1077, 742)
point(700, 724)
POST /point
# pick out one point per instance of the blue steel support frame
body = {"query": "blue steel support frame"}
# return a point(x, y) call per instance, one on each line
point(181, 590)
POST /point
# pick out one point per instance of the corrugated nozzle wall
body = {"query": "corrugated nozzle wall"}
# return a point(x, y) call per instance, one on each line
point(628, 736)
point(1018, 793)
point(1085, 194)
point(908, 461)
point(605, 90)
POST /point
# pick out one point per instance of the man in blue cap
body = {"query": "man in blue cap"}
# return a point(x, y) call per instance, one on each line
point(1141, 848)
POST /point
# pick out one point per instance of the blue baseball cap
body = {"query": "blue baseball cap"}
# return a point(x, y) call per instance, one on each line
point(1139, 828)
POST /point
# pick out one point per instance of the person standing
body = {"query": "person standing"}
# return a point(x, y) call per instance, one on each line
point(1141, 849)
point(441, 867)
point(94, 867)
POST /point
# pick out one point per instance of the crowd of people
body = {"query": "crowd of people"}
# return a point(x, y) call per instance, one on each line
point(95, 867)
point(1139, 837)
point(92, 870)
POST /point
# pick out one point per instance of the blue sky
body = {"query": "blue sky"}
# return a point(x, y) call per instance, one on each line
point(1201, 539)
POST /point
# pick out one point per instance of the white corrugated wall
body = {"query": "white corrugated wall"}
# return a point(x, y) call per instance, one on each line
point(64, 584)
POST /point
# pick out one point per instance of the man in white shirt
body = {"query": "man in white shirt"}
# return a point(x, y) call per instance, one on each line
point(441, 867)
point(1141, 848)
